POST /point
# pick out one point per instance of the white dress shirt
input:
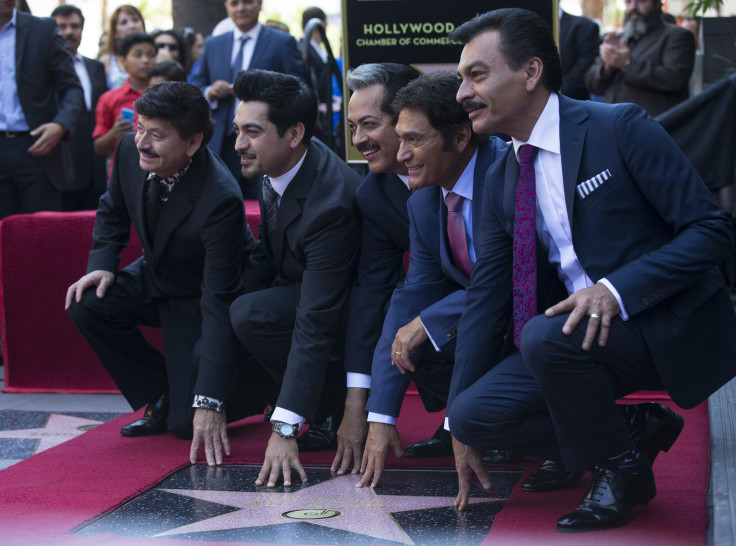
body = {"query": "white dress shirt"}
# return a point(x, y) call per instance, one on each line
point(83, 76)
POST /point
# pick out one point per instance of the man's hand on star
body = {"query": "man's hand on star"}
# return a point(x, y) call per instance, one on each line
point(381, 437)
point(468, 462)
point(352, 432)
point(209, 428)
point(281, 455)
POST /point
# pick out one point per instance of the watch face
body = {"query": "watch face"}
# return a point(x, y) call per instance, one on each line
point(287, 430)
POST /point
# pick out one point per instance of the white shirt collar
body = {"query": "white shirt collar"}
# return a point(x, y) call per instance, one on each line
point(252, 33)
point(546, 132)
point(280, 183)
point(464, 185)
point(405, 179)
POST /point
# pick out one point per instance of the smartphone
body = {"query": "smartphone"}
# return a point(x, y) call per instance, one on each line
point(126, 114)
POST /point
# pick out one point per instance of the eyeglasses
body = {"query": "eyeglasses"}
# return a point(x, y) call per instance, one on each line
point(171, 47)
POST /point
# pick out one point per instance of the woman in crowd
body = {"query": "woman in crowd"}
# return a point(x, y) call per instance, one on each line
point(125, 20)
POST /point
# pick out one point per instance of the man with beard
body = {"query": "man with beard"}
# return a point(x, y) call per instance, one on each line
point(649, 63)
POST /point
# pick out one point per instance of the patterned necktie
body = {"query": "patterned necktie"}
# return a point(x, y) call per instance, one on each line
point(525, 262)
point(456, 233)
point(270, 206)
point(154, 206)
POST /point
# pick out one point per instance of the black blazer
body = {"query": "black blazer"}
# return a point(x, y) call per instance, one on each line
point(89, 168)
point(199, 248)
point(48, 88)
point(384, 238)
point(316, 244)
point(579, 41)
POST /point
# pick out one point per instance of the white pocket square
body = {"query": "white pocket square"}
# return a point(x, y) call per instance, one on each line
point(586, 188)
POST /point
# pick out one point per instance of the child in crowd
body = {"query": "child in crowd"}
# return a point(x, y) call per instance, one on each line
point(114, 115)
point(166, 71)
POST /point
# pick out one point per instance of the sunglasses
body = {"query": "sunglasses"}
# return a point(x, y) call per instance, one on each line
point(171, 47)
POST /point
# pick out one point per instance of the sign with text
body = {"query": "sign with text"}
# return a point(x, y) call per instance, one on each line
point(415, 32)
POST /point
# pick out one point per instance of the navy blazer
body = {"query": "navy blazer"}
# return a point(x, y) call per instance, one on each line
point(48, 88)
point(384, 239)
point(274, 50)
point(196, 256)
point(649, 225)
point(434, 288)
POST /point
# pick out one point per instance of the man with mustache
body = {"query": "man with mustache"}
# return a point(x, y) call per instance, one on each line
point(89, 168)
point(187, 211)
point(447, 163)
point(649, 63)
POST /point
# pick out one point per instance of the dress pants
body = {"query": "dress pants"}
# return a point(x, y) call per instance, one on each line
point(264, 322)
point(24, 187)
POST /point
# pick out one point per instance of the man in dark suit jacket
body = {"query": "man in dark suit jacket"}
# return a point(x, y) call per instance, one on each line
point(188, 213)
point(250, 45)
point(381, 200)
point(635, 237)
point(579, 41)
point(649, 64)
point(447, 162)
point(45, 101)
point(298, 278)
point(90, 178)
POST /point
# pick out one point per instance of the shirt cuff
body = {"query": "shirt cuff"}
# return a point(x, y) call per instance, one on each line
point(381, 418)
point(358, 380)
point(212, 103)
point(447, 424)
point(207, 402)
point(605, 282)
point(286, 416)
point(436, 348)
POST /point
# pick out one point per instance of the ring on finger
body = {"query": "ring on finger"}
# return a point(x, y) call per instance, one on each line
point(594, 316)
point(397, 353)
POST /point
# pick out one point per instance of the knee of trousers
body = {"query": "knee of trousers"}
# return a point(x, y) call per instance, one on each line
point(477, 428)
point(542, 344)
point(86, 311)
point(245, 319)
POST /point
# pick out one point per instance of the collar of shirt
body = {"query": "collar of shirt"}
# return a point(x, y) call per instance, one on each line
point(83, 76)
point(318, 49)
point(464, 185)
point(280, 183)
point(12, 20)
point(405, 179)
point(171, 181)
point(252, 34)
point(546, 132)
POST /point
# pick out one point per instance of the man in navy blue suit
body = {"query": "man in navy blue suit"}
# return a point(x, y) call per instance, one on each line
point(601, 199)
point(447, 163)
point(250, 45)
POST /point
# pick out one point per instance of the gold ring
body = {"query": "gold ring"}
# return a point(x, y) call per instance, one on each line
point(397, 353)
point(594, 316)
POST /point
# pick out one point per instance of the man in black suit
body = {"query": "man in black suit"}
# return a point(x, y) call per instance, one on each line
point(90, 178)
point(579, 40)
point(381, 200)
point(41, 102)
point(299, 275)
point(596, 277)
point(188, 213)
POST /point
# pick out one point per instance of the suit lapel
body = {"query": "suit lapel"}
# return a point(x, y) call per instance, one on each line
point(292, 202)
point(21, 35)
point(572, 138)
point(260, 49)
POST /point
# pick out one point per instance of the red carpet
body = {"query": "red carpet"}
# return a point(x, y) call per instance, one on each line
point(46, 496)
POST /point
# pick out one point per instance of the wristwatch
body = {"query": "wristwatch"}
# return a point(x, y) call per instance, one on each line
point(285, 430)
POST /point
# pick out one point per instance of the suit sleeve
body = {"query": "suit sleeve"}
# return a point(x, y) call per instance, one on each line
point(671, 73)
point(596, 79)
point(65, 82)
point(224, 236)
point(487, 309)
point(331, 250)
point(379, 269)
point(291, 59)
point(703, 236)
point(112, 222)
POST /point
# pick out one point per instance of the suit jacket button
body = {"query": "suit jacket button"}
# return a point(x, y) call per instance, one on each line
point(449, 333)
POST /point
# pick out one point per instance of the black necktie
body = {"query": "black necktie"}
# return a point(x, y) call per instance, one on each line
point(154, 206)
point(270, 206)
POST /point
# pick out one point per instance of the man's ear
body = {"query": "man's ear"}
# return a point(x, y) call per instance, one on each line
point(462, 137)
point(533, 72)
point(193, 143)
point(295, 134)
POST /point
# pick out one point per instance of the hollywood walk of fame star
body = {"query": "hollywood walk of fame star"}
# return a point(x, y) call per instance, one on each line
point(361, 510)
point(58, 429)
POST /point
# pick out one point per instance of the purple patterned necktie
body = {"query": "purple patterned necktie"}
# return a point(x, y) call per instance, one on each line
point(525, 261)
point(456, 233)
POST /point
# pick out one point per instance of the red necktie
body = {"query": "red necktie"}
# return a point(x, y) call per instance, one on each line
point(456, 233)
point(525, 262)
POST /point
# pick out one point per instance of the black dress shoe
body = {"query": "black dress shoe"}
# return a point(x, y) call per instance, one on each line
point(439, 445)
point(321, 436)
point(551, 476)
point(662, 426)
point(609, 501)
point(501, 456)
point(153, 420)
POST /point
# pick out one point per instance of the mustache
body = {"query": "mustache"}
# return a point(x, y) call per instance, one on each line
point(148, 152)
point(367, 146)
point(249, 155)
point(469, 105)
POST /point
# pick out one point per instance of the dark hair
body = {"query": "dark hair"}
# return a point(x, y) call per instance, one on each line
point(434, 96)
point(523, 35)
point(392, 76)
point(172, 70)
point(181, 104)
point(289, 100)
point(65, 10)
point(179, 43)
point(313, 13)
point(134, 39)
